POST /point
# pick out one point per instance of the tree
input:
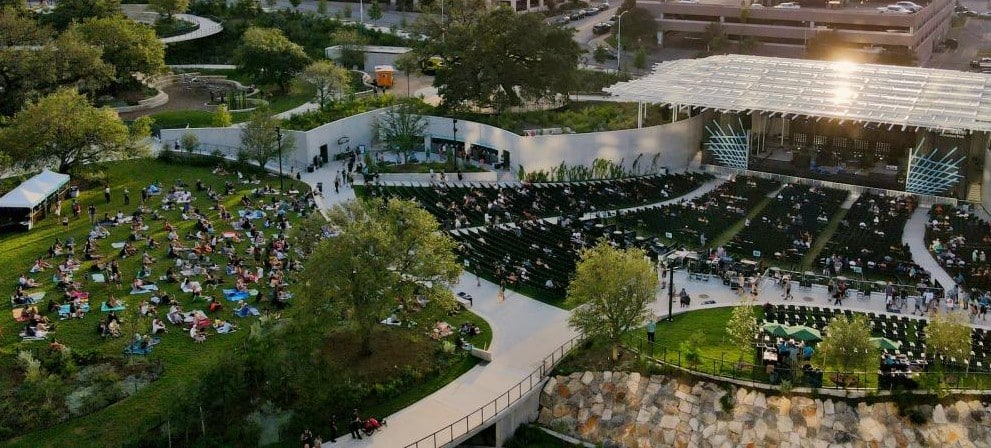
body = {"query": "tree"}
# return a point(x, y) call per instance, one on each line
point(260, 138)
point(322, 7)
point(221, 117)
point(610, 292)
point(68, 11)
point(407, 63)
point(189, 142)
point(600, 54)
point(640, 58)
point(375, 11)
point(639, 28)
point(141, 128)
point(749, 45)
point(743, 327)
point(346, 11)
point(351, 42)
point(127, 45)
point(169, 7)
point(63, 128)
point(18, 28)
point(401, 128)
point(497, 58)
point(295, 3)
point(948, 336)
point(715, 38)
point(387, 251)
point(269, 57)
point(847, 344)
point(328, 78)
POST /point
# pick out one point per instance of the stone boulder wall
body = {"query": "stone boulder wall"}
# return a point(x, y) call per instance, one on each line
point(630, 410)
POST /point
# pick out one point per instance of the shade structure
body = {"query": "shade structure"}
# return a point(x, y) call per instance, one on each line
point(35, 190)
point(776, 329)
point(803, 333)
point(886, 343)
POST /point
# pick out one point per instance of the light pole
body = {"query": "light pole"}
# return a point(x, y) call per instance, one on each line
point(454, 122)
point(619, 41)
point(361, 11)
point(670, 292)
point(278, 139)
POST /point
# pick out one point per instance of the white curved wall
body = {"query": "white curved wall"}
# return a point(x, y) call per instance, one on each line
point(677, 142)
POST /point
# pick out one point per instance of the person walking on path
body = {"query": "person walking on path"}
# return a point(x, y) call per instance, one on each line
point(787, 293)
point(106, 193)
point(355, 426)
point(92, 214)
point(333, 429)
point(127, 196)
point(651, 329)
point(501, 295)
point(337, 185)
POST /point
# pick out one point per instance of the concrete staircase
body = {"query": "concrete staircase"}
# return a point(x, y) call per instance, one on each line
point(974, 192)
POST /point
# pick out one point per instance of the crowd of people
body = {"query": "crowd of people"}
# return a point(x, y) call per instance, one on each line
point(245, 252)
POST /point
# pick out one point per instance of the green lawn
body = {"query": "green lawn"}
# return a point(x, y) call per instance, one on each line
point(184, 362)
point(277, 103)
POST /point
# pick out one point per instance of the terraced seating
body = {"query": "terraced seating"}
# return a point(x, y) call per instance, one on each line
point(528, 255)
point(683, 223)
point(961, 242)
point(869, 239)
point(459, 206)
point(787, 228)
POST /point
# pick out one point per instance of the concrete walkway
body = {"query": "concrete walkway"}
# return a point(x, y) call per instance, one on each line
point(915, 236)
point(206, 28)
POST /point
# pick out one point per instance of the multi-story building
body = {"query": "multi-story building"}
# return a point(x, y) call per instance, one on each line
point(787, 31)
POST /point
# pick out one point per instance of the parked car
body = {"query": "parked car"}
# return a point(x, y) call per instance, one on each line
point(601, 28)
point(788, 5)
point(911, 6)
point(893, 9)
point(602, 6)
point(591, 11)
point(563, 20)
point(976, 63)
point(951, 44)
point(577, 15)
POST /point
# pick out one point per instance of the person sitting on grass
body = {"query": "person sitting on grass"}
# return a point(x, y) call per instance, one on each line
point(223, 326)
point(158, 327)
point(40, 265)
point(27, 282)
point(147, 259)
point(198, 334)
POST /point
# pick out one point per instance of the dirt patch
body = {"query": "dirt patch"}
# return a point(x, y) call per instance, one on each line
point(393, 349)
point(180, 98)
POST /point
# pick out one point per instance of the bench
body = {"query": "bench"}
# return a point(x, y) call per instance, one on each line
point(484, 355)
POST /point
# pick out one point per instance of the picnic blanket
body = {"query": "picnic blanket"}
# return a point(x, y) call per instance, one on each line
point(247, 311)
point(118, 245)
point(40, 337)
point(98, 278)
point(251, 214)
point(107, 309)
point(190, 287)
point(154, 189)
point(19, 315)
point(229, 234)
point(136, 349)
point(32, 298)
point(79, 295)
point(64, 310)
point(145, 289)
point(234, 295)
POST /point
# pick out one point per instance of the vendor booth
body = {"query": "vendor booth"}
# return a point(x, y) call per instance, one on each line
point(32, 199)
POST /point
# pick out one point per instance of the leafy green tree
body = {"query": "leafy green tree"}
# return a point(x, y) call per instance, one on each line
point(269, 57)
point(190, 142)
point(221, 117)
point(386, 252)
point(141, 127)
point(948, 336)
point(749, 45)
point(407, 63)
point(19, 28)
point(743, 327)
point(375, 11)
point(169, 7)
point(65, 129)
point(640, 58)
point(600, 54)
point(715, 38)
point(127, 45)
point(328, 78)
point(610, 292)
point(497, 58)
point(847, 344)
point(639, 28)
point(351, 42)
point(68, 11)
point(322, 7)
point(260, 138)
point(401, 128)
point(692, 348)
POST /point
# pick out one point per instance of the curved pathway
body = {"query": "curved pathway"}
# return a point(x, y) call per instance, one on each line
point(206, 28)
point(915, 236)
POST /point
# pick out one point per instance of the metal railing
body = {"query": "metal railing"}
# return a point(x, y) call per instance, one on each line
point(463, 426)
point(752, 371)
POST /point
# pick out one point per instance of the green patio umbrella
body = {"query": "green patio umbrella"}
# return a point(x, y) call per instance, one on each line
point(803, 333)
point(776, 329)
point(886, 343)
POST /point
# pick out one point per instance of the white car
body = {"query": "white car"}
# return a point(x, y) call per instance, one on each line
point(788, 5)
point(893, 9)
point(911, 6)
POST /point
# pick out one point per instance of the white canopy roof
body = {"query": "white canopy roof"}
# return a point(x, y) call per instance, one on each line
point(34, 190)
point(904, 96)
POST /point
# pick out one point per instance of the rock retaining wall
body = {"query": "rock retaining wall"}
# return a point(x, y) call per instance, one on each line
point(630, 410)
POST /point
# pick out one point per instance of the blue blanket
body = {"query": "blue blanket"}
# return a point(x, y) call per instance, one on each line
point(107, 309)
point(236, 296)
point(136, 349)
point(145, 289)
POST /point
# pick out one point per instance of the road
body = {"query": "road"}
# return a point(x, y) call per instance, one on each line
point(974, 36)
point(400, 19)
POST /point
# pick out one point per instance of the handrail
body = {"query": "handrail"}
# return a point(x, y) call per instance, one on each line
point(448, 434)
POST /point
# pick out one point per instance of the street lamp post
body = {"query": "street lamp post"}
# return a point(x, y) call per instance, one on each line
point(278, 138)
point(619, 41)
point(670, 292)
point(454, 122)
point(361, 11)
